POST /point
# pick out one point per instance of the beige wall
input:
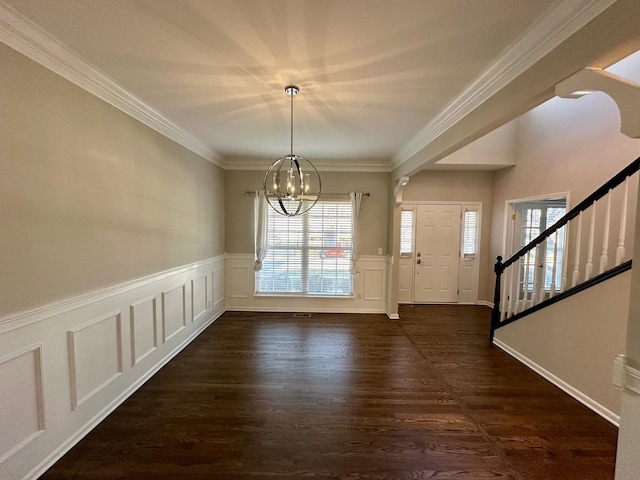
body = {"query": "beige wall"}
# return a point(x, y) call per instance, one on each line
point(565, 145)
point(374, 210)
point(453, 186)
point(90, 196)
point(578, 347)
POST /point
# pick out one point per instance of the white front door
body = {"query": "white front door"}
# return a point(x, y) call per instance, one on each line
point(437, 256)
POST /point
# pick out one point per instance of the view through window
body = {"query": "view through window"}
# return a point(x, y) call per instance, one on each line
point(308, 254)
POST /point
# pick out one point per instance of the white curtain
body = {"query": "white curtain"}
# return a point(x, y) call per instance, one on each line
point(356, 198)
point(261, 219)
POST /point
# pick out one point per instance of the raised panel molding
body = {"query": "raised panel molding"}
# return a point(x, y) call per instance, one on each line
point(239, 281)
point(200, 300)
point(373, 284)
point(100, 347)
point(95, 356)
point(218, 288)
point(144, 328)
point(22, 405)
point(174, 315)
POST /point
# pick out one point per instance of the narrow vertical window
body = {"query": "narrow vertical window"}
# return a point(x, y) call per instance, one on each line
point(470, 233)
point(406, 233)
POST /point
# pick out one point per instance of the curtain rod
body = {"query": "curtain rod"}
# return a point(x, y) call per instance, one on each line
point(252, 192)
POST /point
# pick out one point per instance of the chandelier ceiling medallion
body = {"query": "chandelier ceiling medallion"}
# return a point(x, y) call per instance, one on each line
point(292, 184)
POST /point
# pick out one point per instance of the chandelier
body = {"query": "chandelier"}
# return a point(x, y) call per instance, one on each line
point(292, 183)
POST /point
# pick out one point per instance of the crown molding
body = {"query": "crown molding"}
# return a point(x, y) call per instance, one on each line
point(321, 165)
point(559, 22)
point(26, 37)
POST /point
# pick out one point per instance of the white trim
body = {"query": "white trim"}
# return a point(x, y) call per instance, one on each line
point(625, 377)
point(26, 37)
point(40, 399)
point(558, 23)
point(380, 165)
point(393, 316)
point(510, 210)
point(632, 379)
point(297, 309)
point(587, 401)
point(13, 321)
point(101, 415)
point(485, 303)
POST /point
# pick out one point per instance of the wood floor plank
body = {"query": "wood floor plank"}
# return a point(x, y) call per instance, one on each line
point(346, 397)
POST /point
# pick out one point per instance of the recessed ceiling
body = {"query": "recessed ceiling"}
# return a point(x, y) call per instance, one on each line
point(372, 73)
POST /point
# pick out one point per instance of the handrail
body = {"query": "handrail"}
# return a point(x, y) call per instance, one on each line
point(500, 267)
point(629, 170)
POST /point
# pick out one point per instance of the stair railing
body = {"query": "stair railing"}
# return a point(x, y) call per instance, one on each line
point(554, 266)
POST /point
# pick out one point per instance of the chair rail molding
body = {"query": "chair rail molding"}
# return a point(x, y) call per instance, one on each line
point(70, 364)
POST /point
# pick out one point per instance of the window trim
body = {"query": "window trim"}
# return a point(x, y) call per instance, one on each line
point(304, 250)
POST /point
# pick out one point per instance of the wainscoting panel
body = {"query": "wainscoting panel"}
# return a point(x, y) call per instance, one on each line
point(95, 356)
point(66, 366)
point(240, 277)
point(22, 415)
point(373, 284)
point(144, 328)
point(368, 290)
point(174, 315)
point(199, 297)
point(218, 288)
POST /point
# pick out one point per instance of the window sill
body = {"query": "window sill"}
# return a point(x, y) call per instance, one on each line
point(299, 295)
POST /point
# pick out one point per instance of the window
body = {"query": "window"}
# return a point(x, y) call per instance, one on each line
point(406, 233)
point(470, 233)
point(536, 217)
point(308, 254)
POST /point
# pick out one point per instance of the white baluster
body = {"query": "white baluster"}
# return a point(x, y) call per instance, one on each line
point(504, 300)
point(576, 262)
point(604, 257)
point(543, 270)
point(536, 293)
point(623, 224)
point(554, 270)
point(588, 269)
point(506, 295)
point(515, 294)
point(565, 263)
point(525, 300)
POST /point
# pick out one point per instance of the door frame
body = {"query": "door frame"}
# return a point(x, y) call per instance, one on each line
point(509, 229)
point(472, 298)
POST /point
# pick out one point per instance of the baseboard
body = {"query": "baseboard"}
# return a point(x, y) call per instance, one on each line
point(485, 303)
point(304, 310)
point(561, 384)
point(100, 416)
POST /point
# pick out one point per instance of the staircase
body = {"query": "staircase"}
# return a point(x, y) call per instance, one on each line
point(571, 255)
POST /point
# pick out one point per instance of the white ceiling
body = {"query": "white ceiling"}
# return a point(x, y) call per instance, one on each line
point(375, 75)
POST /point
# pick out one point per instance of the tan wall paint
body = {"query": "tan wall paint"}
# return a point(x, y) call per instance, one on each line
point(579, 347)
point(90, 196)
point(453, 186)
point(566, 145)
point(374, 210)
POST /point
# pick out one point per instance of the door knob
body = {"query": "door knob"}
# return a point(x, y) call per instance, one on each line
point(418, 261)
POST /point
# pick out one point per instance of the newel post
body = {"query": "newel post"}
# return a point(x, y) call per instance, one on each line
point(495, 314)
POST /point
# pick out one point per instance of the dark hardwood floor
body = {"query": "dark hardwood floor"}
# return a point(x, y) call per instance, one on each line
point(353, 397)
